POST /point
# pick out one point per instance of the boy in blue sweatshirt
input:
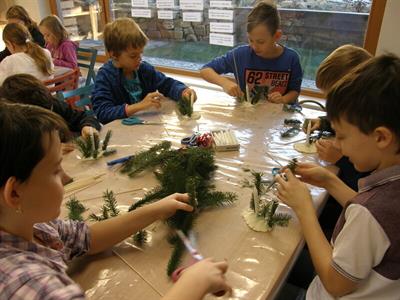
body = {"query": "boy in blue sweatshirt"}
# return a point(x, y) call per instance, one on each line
point(125, 84)
point(263, 63)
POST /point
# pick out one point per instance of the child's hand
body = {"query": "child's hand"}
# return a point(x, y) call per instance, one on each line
point(315, 124)
point(67, 148)
point(327, 151)
point(276, 97)
point(152, 100)
point(167, 207)
point(86, 131)
point(208, 275)
point(188, 93)
point(313, 174)
point(232, 89)
point(293, 192)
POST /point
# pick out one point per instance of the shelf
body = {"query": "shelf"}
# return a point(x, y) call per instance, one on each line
point(84, 13)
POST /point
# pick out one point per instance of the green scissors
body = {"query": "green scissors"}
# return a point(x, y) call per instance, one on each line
point(136, 121)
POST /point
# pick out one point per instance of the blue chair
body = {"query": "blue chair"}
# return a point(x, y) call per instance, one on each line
point(87, 59)
point(79, 98)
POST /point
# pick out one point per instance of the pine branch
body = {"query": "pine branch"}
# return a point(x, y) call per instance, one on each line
point(156, 194)
point(111, 203)
point(84, 146)
point(185, 107)
point(273, 205)
point(292, 165)
point(217, 199)
point(281, 219)
point(75, 209)
point(257, 179)
point(140, 237)
point(176, 257)
point(96, 145)
point(106, 140)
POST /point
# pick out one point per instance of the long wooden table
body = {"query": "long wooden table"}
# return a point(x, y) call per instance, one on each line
point(258, 262)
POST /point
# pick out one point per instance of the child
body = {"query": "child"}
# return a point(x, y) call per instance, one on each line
point(362, 261)
point(27, 57)
point(34, 245)
point(263, 62)
point(126, 85)
point(26, 89)
point(18, 14)
point(62, 49)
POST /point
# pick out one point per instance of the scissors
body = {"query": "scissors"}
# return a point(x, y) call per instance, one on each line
point(196, 258)
point(136, 121)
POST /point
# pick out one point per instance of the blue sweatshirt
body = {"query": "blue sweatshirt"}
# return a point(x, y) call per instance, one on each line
point(281, 74)
point(109, 97)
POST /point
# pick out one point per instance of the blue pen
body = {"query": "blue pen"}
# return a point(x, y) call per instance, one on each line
point(119, 160)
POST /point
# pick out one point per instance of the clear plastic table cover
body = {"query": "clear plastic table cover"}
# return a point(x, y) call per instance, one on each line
point(258, 262)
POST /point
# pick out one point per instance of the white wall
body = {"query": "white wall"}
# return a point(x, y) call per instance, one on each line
point(389, 40)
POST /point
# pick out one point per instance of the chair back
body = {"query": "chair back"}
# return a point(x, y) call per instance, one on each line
point(65, 82)
point(87, 60)
point(79, 98)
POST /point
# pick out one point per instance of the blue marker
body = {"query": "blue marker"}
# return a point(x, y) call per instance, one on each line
point(119, 160)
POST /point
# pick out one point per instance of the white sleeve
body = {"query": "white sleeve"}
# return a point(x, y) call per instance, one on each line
point(360, 245)
point(6, 69)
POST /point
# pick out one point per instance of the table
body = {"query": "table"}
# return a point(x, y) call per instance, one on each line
point(258, 262)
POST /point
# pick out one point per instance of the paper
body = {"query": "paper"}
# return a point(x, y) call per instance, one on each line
point(220, 14)
point(192, 16)
point(222, 39)
point(140, 3)
point(192, 4)
point(224, 27)
point(141, 13)
point(165, 3)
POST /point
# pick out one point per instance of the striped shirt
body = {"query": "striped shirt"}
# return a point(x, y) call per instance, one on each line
point(31, 271)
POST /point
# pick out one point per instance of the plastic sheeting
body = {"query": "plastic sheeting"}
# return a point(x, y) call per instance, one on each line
point(258, 262)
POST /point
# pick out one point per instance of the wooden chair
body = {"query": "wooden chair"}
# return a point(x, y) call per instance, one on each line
point(65, 82)
point(87, 59)
point(78, 98)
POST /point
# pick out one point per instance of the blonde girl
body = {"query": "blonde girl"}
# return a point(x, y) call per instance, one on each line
point(26, 56)
point(62, 49)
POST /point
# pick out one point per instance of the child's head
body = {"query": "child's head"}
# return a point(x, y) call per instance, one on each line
point(340, 62)
point(364, 108)
point(18, 39)
point(30, 152)
point(26, 89)
point(53, 30)
point(18, 14)
point(124, 41)
point(263, 27)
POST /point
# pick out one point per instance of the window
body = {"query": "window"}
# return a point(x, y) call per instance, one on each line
point(185, 34)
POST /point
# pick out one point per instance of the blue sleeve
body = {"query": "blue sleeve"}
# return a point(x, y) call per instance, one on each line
point(296, 76)
point(223, 64)
point(165, 85)
point(105, 106)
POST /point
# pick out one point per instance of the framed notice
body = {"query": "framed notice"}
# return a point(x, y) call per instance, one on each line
point(166, 14)
point(222, 27)
point(192, 4)
point(222, 39)
point(165, 3)
point(141, 13)
point(222, 4)
point(191, 16)
point(140, 3)
point(221, 14)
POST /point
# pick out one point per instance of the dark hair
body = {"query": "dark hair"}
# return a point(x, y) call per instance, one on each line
point(26, 89)
point(19, 35)
point(22, 128)
point(264, 14)
point(369, 96)
point(20, 13)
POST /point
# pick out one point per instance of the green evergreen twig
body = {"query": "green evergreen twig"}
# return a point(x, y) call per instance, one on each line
point(185, 107)
point(75, 209)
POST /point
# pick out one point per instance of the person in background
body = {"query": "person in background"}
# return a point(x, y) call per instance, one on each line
point(62, 49)
point(35, 244)
point(18, 14)
point(263, 63)
point(26, 56)
point(125, 84)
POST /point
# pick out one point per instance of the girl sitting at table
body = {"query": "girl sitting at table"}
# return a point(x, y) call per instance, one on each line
point(35, 245)
point(26, 56)
point(18, 14)
point(62, 49)
point(26, 89)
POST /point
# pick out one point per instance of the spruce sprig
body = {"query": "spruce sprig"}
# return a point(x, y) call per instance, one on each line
point(185, 107)
point(75, 209)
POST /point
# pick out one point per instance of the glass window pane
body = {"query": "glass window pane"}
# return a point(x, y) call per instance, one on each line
point(189, 33)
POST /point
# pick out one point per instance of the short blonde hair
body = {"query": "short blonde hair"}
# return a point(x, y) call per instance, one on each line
point(340, 62)
point(121, 34)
